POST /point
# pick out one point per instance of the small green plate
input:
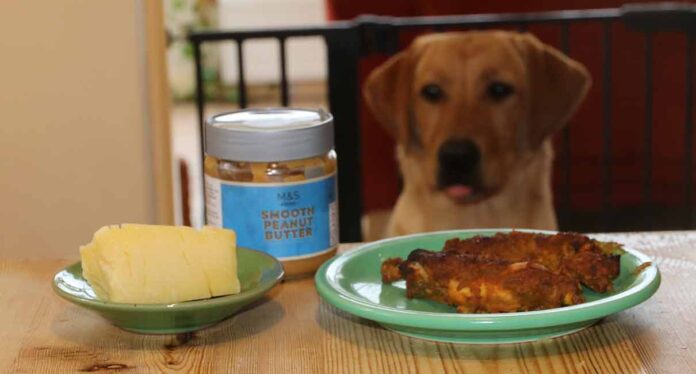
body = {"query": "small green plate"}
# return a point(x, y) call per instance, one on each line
point(352, 282)
point(257, 271)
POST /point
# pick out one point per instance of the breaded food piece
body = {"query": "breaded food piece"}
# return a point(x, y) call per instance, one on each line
point(592, 263)
point(390, 270)
point(475, 285)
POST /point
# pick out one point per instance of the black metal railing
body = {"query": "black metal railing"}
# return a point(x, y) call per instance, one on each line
point(347, 42)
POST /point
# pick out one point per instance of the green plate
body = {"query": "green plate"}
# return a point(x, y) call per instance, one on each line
point(257, 271)
point(352, 282)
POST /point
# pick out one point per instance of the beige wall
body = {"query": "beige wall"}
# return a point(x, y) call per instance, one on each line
point(75, 123)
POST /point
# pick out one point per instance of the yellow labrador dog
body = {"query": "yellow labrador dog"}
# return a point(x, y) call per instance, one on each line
point(472, 114)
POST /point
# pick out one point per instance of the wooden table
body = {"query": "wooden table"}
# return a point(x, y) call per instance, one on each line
point(293, 331)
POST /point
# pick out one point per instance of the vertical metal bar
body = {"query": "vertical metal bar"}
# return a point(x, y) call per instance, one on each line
point(185, 193)
point(343, 49)
point(200, 99)
point(647, 146)
point(200, 107)
point(606, 126)
point(392, 40)
point(567, 155)
point(284, 97)
point(565, 37)
point(240, 74)
point(690, 222)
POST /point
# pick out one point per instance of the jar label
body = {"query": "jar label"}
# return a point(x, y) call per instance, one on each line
point(285, 220)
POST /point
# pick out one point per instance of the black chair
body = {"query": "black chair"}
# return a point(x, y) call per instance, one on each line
point(347, 42)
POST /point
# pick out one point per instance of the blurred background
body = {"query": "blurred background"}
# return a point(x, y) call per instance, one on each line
point(306, 67)
point(100, 123)
point(624, 162)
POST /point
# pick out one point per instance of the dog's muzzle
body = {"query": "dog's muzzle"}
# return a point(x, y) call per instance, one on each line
point(459, 168)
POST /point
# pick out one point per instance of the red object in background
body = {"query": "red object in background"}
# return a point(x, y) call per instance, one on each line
point(380, 183)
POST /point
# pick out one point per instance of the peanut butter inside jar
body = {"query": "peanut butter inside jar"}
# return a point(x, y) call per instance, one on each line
point(270, 175)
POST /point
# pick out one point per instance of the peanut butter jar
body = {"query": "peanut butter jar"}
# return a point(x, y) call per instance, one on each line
point(270, 175)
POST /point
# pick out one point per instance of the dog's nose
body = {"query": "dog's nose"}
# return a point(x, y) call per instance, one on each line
point(460, 156)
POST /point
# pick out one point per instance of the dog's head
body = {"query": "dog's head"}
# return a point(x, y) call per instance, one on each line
point(467, 109)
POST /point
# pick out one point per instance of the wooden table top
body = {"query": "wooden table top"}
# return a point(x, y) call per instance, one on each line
point(293, 331)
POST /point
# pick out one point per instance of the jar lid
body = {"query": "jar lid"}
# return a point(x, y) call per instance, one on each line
point(273, 134)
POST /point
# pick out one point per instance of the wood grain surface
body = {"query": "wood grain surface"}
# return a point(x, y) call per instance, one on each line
point(293, 331)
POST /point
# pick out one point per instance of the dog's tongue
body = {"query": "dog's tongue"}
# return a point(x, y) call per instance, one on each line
point(458, 191)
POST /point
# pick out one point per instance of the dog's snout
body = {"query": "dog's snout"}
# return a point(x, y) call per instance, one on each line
point(460, 155)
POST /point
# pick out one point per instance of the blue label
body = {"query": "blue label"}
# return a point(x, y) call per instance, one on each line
point(283, 220)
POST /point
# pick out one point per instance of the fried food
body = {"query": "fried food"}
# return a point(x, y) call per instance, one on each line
point(512, 272)
point(476, 285)
point(390, 270)
point(592, 263)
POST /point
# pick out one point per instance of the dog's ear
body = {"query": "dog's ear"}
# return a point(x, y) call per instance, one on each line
point(558, 84)
point(387, 92)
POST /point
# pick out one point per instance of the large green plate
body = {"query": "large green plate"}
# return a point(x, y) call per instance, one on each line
point(352, 282)
point(257, 271)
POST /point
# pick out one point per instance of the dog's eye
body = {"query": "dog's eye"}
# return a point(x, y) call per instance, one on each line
point(499, 90)
point(432, 92)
